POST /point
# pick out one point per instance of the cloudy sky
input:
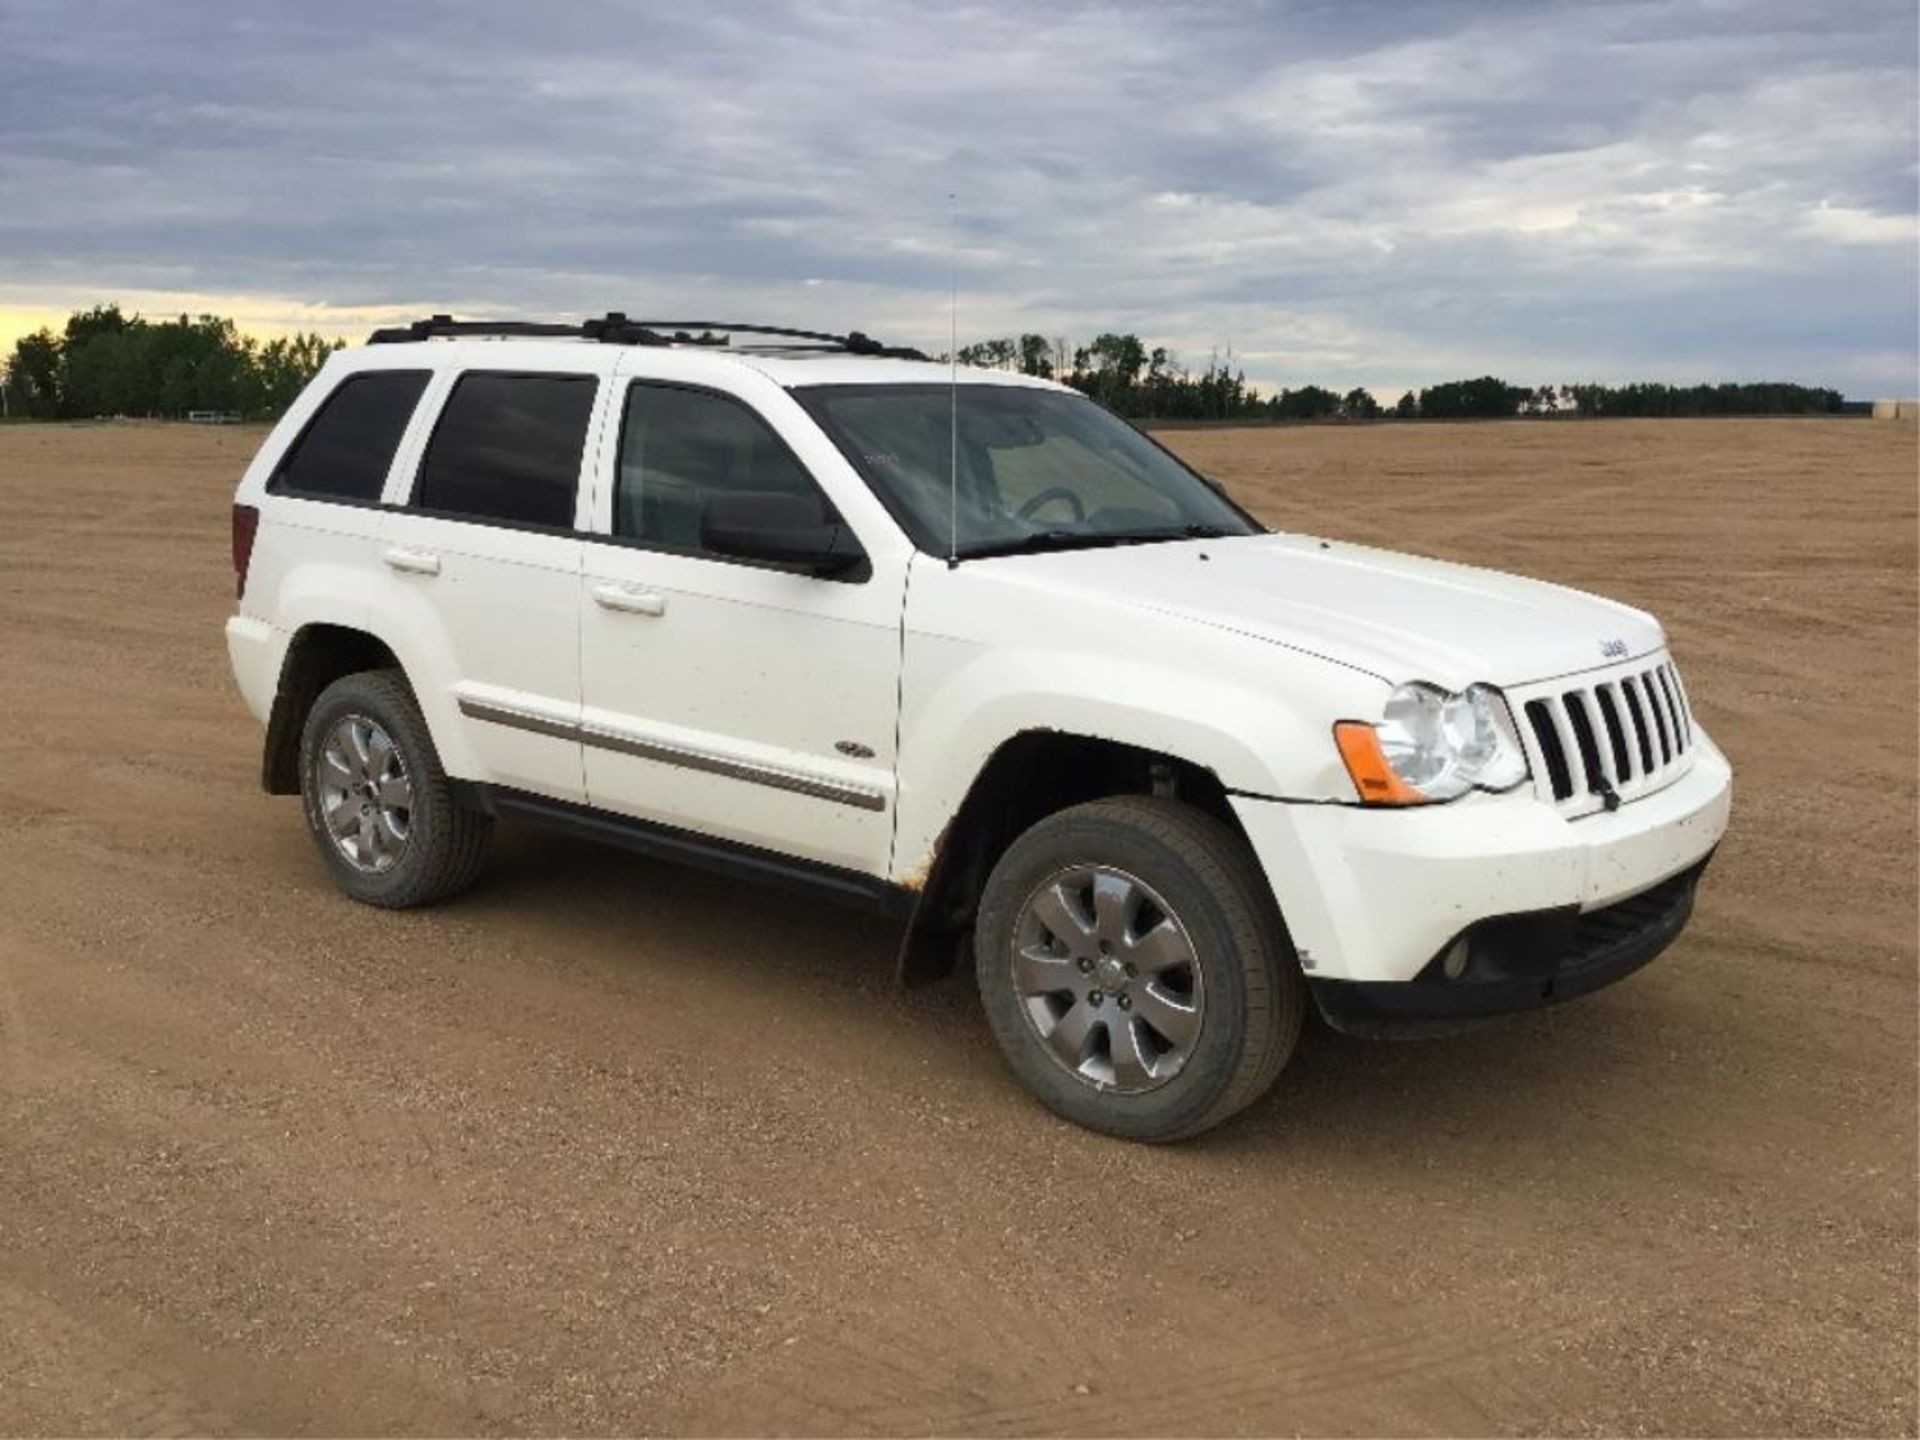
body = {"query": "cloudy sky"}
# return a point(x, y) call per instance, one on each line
point(1347, 193)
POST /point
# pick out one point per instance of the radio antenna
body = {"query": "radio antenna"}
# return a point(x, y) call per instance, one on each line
point(953, 384)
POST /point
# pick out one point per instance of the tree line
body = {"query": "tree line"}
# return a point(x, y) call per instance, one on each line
point(108, 363)
point(1124, 375)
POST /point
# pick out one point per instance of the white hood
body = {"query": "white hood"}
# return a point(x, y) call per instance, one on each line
point(1399, 617)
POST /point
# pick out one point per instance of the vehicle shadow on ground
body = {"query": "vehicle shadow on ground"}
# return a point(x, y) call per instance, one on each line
point(812, 957)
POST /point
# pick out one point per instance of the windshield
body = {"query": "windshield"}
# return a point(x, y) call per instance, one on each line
point(1034, 469)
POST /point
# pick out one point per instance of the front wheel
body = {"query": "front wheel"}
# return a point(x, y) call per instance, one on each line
point(1134, 970)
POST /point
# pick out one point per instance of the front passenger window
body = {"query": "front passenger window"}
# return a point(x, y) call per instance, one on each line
point(681, 448)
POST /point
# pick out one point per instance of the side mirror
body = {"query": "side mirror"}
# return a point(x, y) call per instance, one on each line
point(779, 529)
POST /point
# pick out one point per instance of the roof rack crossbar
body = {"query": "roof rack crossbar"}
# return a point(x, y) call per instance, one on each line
point(614, 328)
point(854, 342)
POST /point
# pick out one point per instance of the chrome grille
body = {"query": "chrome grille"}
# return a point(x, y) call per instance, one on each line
point(1608, 737)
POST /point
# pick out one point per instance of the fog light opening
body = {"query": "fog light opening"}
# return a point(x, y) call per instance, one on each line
point(1454, 964)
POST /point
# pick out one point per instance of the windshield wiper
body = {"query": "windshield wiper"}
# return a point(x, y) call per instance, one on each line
point(1042, 540)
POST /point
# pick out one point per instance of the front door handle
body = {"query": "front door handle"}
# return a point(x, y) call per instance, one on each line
point(629, 602)
point(414, 562)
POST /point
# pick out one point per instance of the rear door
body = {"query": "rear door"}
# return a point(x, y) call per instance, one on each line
point(483, 564)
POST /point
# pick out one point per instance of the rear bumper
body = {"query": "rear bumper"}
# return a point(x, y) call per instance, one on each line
point(255, 649)
point(1378, 895)
point(1516, 962)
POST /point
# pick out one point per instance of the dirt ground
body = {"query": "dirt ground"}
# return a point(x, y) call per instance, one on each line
point(609, 1146)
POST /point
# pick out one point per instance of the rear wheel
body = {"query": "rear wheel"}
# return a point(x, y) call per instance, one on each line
point(1134, 970)
point(380, 807)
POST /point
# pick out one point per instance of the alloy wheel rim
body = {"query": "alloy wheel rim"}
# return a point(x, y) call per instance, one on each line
point(365, 794)
point(1106, 975)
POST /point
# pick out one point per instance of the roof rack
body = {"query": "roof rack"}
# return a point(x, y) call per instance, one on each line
point(614, 328)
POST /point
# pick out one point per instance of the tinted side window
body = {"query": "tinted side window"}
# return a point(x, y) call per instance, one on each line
point(347, 447)
point(508, 447)
point(680, 448)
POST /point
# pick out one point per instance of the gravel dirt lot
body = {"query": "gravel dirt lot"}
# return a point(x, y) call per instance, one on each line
point(610, 1146)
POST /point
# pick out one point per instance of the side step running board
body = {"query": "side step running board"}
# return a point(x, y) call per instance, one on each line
point(847, 887)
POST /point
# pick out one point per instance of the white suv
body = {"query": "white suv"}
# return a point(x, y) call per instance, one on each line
point(968, 648)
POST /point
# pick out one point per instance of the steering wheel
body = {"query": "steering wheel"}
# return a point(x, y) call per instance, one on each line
point(1052, 492)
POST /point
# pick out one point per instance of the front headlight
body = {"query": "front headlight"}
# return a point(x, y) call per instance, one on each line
point(1432, 744)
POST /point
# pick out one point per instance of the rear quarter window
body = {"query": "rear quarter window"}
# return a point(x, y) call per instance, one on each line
point(507, 449)
point(347, 448)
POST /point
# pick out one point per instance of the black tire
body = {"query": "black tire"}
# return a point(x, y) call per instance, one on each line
point(1255, 999)
point(445, 845)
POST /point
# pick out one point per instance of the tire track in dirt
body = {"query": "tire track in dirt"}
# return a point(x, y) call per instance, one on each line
point(127, 1389)
point(1378, 1344)
point(15, 1062)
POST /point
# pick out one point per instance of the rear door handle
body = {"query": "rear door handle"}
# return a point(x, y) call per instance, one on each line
point(629, 602)
point(414, 562)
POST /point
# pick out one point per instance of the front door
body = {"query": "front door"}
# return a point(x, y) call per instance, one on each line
point(732, 699)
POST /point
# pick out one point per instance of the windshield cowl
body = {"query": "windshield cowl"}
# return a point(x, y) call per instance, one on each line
point(1053, 540)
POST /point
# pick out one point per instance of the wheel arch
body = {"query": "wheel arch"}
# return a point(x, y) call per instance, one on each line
point(1031, 775)
point(318, 654)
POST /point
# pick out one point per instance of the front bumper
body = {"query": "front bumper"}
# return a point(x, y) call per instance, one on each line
point(1377, 896)
point(1518, 962)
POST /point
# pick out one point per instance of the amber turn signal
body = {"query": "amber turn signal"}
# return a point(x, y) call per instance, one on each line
point(1359, 745)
